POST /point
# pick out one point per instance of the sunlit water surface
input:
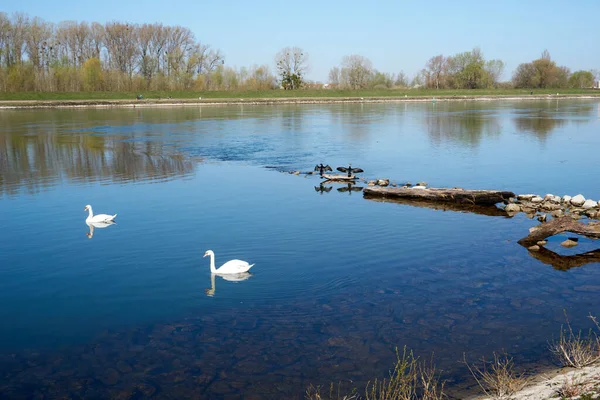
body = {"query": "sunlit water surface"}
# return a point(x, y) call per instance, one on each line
point(339, 282)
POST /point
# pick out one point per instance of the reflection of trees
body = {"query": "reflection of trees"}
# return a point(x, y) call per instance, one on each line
point(465, 127)
point(539, 123)
point(37, 159)
point(542, 118)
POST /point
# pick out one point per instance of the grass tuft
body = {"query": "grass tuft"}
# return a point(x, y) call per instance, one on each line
point(497, 378)
point(575, 350)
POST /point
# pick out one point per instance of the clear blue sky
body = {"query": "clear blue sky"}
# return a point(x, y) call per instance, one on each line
point(394, 35)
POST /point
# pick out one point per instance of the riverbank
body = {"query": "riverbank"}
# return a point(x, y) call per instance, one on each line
point(560, 383)
point(216, 101)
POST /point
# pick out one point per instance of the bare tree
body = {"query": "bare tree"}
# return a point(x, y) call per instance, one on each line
point(38, 35)
point(435, 69)
point(292, 65)
point(494, 68)
point(334, 76)
point(401, 80)
point(97, 35)
point(16, 38)
point(121, 46)
point(356, 71)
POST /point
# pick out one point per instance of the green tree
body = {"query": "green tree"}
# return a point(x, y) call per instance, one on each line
point(91, 75)
point(581, 79)
point(292, 64)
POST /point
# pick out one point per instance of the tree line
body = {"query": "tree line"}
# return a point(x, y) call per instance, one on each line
point(36, 55)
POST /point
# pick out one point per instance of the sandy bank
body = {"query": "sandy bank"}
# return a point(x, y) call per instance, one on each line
point(549, 385)
point(133, 103)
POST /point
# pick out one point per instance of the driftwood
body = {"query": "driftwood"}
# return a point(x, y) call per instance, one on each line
point(461, 196)
point(339, 178)
point(564, 263)
point(491, 211)
point(560, 225)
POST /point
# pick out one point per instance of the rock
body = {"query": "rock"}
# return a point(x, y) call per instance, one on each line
point(421, 183)
point(123, 366)
point(548, 197)
point(146, 389)
point(526, 196)
point(569, 243)
point(537, 199)
point(418, 187)
point(512, 208)
point(535, 247)
point(550, 206)
point(111, 377)
point(589, 204)
point(578, 200)
point(557, 213)
point(371, 183)
point(556, 199)
point(383, 182)
point(542, 242)
point(296, 172)
point(542, 218)
point(566, 199)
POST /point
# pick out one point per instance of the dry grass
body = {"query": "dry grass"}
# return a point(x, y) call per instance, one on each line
point(572, 386)
point(497, 378)
point(409, 380)
point(335, 393)
point(575, 350)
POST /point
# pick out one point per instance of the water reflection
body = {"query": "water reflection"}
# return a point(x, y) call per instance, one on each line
point(350, 188)
point(242, 276)
point(462, 127)
point(540, 123)
point(565, 263)
point(323, 189)
point(99, 225)
point(469, 123)
point(37, 160)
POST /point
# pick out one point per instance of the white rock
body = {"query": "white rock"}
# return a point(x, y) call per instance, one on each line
point(418, 187)
point(512, 208)
point(566, 198)
point(537, 199)
point(589, 204)
point(548, 196)
point(556, 199)
point(578, 200)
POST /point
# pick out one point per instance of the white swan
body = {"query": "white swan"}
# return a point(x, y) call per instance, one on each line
point(97, 218)
point(230, 267)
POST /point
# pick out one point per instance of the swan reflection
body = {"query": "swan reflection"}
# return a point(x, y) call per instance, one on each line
point(242, 276)
point(99, 225)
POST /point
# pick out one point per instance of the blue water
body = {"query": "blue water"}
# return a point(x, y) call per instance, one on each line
point(339, 280)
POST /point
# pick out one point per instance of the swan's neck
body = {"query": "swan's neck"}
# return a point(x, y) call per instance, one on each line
point(91, 213)
point(212, 264)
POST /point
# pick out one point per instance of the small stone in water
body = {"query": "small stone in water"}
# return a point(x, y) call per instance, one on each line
point(569, 243)
point(535, 247)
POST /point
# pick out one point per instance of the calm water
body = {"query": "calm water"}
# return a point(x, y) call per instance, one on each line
point(339, 281)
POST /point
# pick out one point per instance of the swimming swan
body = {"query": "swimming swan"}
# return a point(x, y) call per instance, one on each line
point(230, 267)
point(97, 218)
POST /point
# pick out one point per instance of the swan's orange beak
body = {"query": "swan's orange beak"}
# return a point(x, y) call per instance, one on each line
point(205, 254)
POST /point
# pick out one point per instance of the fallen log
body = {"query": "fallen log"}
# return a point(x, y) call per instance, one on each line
point(339, 178)
point(491, 211)
point(461, 196)
point(560, 225)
